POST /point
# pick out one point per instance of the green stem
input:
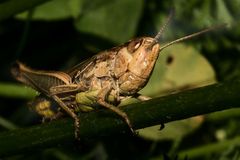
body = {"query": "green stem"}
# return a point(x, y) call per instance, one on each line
point(102, 122)
point(25, 34)
point(223, 115)
point(12, 7)
point(206, 150)
point(6, 124)
point(209, 149)
point(16, 91)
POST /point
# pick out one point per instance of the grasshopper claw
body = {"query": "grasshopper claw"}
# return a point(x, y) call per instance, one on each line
point(124, 115)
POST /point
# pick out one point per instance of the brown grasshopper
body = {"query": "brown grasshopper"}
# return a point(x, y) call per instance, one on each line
point(103, 80)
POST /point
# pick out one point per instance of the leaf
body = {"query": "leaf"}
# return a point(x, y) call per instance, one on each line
point(89, 6)
point(172, 130)
point(75, 7)
point(9, 8)
point(116, 21)
point(55, 10)
point(223, 14)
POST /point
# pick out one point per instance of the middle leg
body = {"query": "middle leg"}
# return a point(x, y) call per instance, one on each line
point(101, 99)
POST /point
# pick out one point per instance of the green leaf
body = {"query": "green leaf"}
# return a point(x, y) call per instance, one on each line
point(75, 7)
point(89, 6)
point(223, 14)
point(55, 10)
point(172, 130)
point(205, 13)
point(10, 7)
point(116, 21)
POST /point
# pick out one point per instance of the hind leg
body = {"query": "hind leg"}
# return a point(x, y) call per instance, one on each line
point(71, 113)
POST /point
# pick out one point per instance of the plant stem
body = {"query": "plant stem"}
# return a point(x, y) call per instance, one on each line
point(223, 115)
point(16, 91)
point(206, 150)
point(103, 123)
point(6, 124)
point(209, 149)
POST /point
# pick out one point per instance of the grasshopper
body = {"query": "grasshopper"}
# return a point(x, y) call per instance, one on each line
point(103, 80)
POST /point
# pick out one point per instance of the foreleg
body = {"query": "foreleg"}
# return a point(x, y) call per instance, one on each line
point(141, 97)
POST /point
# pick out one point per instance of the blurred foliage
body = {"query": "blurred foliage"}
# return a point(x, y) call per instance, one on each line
point(60, 33)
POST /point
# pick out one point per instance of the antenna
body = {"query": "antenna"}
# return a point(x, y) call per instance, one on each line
point(159, 34)
point(193, 35)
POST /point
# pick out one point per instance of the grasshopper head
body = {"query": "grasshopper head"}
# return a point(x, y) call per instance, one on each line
point(135, 62)
point(144, 52)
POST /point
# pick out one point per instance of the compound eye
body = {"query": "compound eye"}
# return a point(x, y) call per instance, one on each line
point(134, 45)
